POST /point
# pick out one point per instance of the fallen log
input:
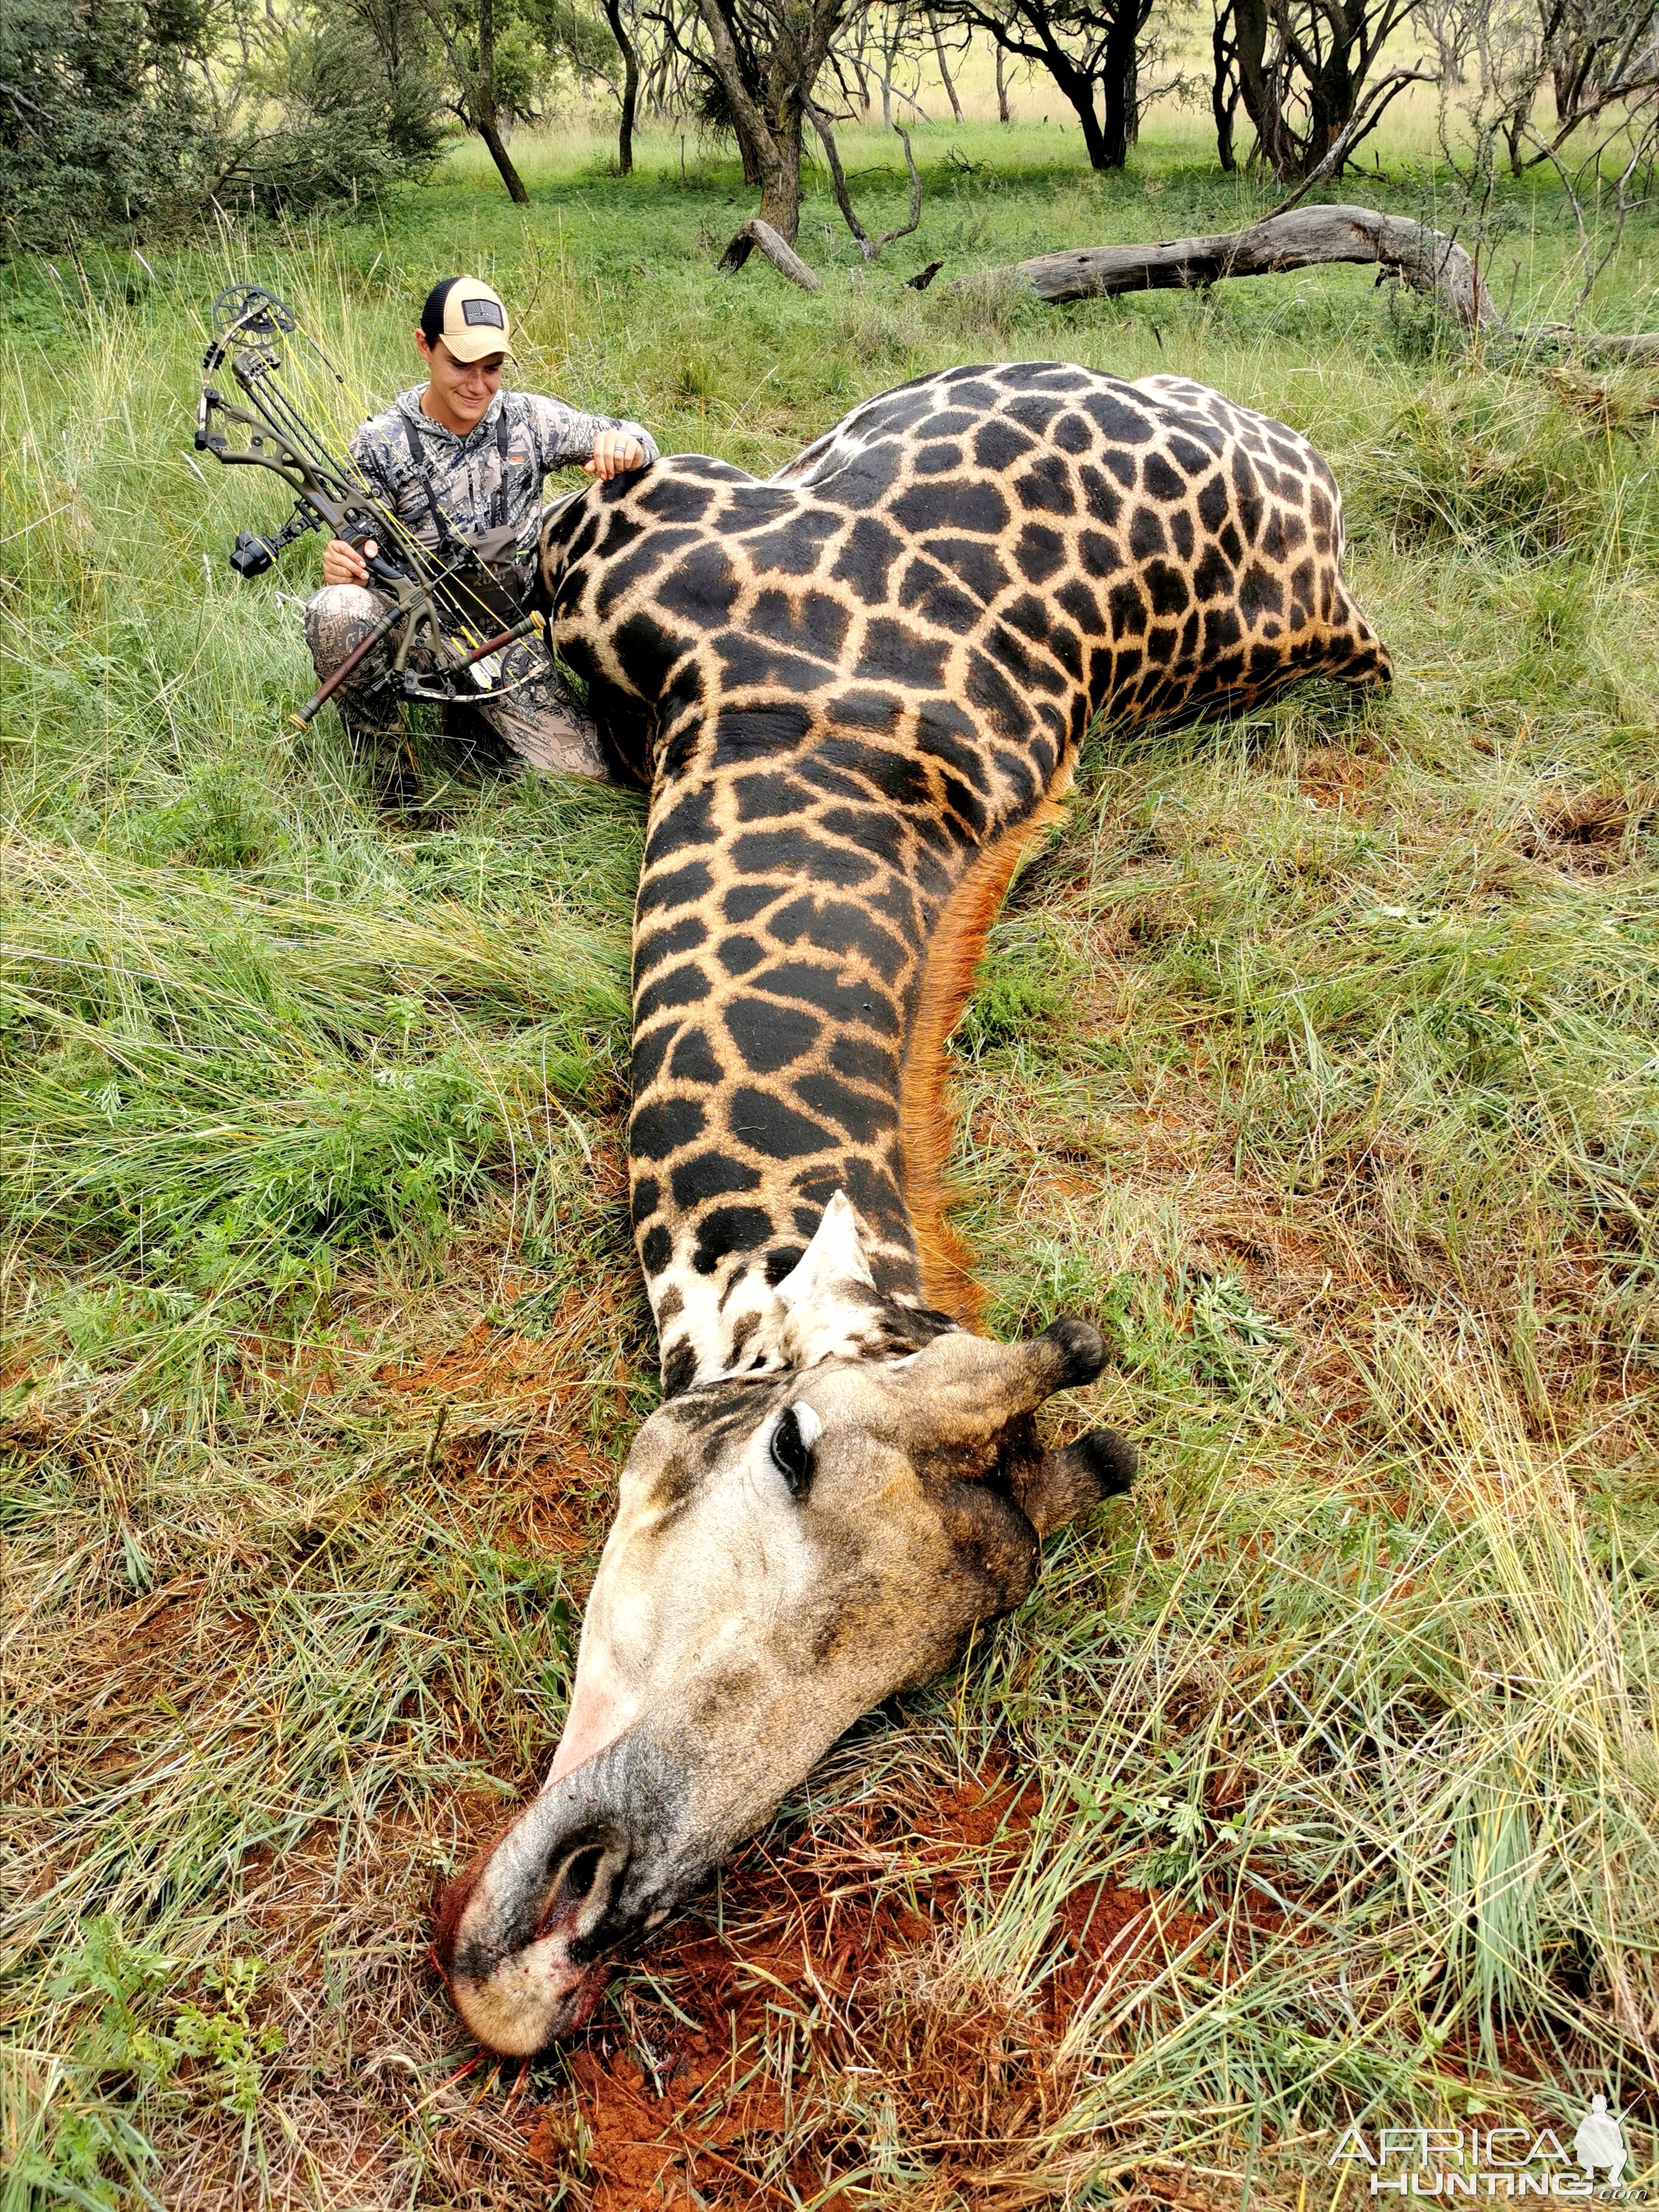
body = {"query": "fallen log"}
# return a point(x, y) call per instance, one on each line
point(1424, 260)
point(782, 255)
point(1303, 238)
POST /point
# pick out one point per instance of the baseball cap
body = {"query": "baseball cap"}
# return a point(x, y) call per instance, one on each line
point(469, 318)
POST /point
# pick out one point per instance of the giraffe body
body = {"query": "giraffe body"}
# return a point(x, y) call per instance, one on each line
point(847, 685)
point(854, 691)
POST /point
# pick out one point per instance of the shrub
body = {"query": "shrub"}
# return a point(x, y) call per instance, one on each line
point(111, 127)
point(104, 128)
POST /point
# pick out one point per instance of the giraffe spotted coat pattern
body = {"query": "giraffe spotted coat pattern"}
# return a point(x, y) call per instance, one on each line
point(853, 691)
point(846, 686)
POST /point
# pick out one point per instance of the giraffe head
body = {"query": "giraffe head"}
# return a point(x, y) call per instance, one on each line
point(790, 1548)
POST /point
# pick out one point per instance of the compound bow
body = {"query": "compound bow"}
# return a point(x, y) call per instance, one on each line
point(453, 616)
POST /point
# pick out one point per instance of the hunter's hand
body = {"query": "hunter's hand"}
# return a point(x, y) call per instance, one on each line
point(344, 564)
point(615, 453)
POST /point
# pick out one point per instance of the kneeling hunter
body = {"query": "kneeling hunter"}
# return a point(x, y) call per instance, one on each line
point(458, 457)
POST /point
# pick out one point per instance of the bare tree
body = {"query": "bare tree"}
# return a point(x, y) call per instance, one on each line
point(944, 66)
point(1594, 63)
point(1094, 50)
point(850, 56)
point(900, 46)
point(1603, 54)
point(1570, 84)
point(1304, 72)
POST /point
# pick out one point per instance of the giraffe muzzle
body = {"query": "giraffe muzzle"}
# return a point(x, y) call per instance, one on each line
point(526, 1935)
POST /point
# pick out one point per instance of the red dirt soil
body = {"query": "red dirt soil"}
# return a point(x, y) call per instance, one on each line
point(835, 1956)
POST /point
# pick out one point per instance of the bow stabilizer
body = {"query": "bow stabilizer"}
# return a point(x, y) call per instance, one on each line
point(449, 618)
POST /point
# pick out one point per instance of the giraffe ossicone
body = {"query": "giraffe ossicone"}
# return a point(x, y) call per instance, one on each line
point(855, 691)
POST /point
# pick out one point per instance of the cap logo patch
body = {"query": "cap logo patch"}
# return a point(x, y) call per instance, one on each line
point(482, 311)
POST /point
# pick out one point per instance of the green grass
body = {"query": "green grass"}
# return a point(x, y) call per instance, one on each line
point(1314, 1059)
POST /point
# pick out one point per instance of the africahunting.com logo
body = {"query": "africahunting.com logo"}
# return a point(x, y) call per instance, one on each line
point(1511, 2162)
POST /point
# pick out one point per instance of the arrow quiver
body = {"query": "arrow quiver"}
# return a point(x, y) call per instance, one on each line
point(450, 616)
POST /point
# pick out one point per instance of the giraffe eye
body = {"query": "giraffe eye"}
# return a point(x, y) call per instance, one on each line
point(792, 1441)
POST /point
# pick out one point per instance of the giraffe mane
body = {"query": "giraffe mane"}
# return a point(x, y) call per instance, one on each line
point(926, 1107)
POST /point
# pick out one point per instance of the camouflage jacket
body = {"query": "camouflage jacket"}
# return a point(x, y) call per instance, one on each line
point(489, 480)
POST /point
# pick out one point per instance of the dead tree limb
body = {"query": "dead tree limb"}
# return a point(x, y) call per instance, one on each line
point(1360, 125)
point(782, 257)
point(1307, 238)
point(1302, 238)
point(869, 246)
point(820, 123)
point(905, 229)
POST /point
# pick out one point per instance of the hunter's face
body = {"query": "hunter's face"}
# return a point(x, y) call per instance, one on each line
point(460, 390)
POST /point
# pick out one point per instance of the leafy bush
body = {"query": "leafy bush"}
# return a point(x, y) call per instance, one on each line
point(105, 128)
point(348, 126)
point(115, 124)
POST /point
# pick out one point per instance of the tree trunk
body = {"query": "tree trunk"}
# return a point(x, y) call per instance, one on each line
point(750, 160)
point(1002, 86)
point(503, 161)
point(1311, 238)
point(1303, 238)
point(487, 129)
point(763, 159)
point(1117, 74)
point(1221, 93)
point(1261, 98)
point(944, 67)
point(630, 86)
point(780, 187)
point(1514, 132)
point(1330, 105)
point(1080, 91)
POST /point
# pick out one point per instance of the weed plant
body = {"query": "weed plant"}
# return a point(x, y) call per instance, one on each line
point(1313, 1058)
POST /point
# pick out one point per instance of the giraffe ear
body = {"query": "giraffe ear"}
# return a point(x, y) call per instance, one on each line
point(829, 1297)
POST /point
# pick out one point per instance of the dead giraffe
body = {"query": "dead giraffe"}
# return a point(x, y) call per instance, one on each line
point(855, 691)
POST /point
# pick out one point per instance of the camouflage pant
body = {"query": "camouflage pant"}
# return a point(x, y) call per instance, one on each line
point(541, 722)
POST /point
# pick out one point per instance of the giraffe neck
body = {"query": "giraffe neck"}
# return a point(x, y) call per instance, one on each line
point(800, 957)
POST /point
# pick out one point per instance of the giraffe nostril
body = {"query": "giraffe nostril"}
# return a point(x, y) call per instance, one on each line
point(581, 1873)
point(573, 1885)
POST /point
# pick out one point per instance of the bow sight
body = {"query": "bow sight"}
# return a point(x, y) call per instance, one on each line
point(451, 615)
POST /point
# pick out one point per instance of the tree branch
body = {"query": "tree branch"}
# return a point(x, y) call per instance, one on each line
point(820, 123)
point(869, 246)
point(905, 228)
point(1364, 120)
point(782, 257)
